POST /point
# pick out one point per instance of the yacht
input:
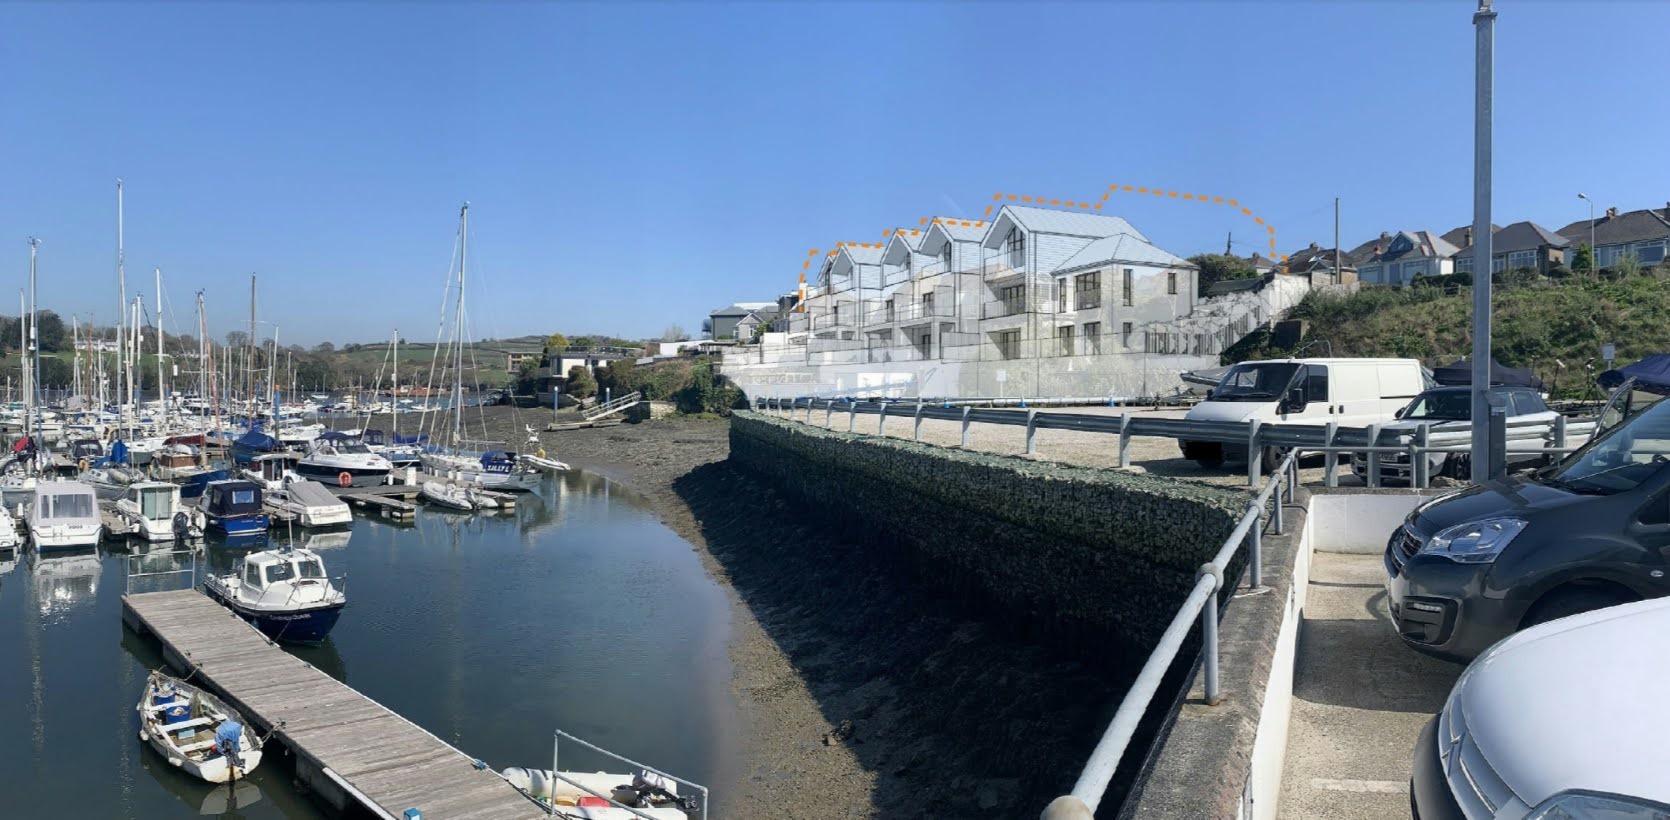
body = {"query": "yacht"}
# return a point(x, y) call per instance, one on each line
point(284, 592)
point(344, 461)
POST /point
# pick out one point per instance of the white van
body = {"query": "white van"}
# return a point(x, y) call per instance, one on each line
point(1351, 392)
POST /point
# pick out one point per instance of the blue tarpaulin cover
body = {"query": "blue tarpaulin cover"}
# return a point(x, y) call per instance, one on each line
point(1651, 374)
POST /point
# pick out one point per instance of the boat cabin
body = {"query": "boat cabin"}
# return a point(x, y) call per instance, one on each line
point(281, 566)
point(333, 443)
point(89, 450)
point(65, 514)
point(273, 467)
point(232, 499)
point(155, 500)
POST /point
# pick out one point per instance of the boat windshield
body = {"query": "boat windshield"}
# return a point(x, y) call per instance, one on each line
point(67, 505)
point(153, 504)
point(1619, 460)
point(1446, 405)
point(1255, 381)
point(310, 569)
point(279, 572)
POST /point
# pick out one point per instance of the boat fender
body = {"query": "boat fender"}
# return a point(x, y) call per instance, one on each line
point(144, 736)
point(540, 452)
point(343, 479)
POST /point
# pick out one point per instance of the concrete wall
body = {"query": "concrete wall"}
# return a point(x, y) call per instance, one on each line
point(1092, 560)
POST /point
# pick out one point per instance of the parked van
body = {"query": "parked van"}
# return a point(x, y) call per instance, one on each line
point(1351, 392)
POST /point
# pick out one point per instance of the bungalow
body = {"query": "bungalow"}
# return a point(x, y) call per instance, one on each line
point(1397, 260)
point(1642, 234)
point(1520, 245)
point(1319, 264)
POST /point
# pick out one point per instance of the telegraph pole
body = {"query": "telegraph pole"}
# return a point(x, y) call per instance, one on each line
point(1484, 23)
point(1339, 276)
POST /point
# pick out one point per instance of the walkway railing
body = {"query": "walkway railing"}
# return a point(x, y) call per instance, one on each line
point(1332, 440)
point(556, 772)
point(137, 562)
point(612, 406)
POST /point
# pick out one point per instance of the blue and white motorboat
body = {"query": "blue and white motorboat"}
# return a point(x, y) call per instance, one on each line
point(234, 507)
point(343, 460)
point(283, 592)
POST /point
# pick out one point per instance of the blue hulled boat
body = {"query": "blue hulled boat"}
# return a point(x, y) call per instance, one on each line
point(234, 507)
point(284, 592)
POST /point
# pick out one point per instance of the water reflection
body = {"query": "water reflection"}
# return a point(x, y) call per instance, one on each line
point(64, 580)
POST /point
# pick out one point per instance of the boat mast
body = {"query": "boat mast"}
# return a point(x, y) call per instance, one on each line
point(394, 391)
point(458, 330)
point(35, 339)
point(162, 391)
point(202, 359)
point(121, 307)
point(132, 316)
point(23, 347)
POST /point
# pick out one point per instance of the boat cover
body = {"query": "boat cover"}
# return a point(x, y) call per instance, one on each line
point(1651, 374)
point(1461, 373)
point(234, 498)
point(311, 494)
point(118, 452)
point(256, 441)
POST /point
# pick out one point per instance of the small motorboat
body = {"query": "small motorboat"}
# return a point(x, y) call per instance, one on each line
point(64, 515)
point(343, 460)
point(602, 795)
point(549, 465)
point(154, 510)
point(456, 497)
point(284, 592)
point(311, 503)
point(401, 451)
point(195, 485)
point(235, 507)
point(9, 539)
point(195, 731)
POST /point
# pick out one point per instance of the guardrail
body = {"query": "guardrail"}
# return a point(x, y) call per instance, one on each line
point(1332, 440)
point(135, 564)
point(556, 772)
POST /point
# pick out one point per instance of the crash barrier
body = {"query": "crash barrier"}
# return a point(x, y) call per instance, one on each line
point(1372, 443)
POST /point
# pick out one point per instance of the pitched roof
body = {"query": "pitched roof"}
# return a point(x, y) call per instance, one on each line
point(1070, 223)
point(1520, 236)
point(1630, 226)
point(962, 230)
point(1423, 243)
point(1223, 286)
point(742, 308)
point(1123, 247)
point(1260, 262)
point(861, 253)
point(1316, 257)
point(1458, 236)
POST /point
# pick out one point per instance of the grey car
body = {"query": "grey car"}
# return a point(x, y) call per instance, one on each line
point(1472, 567)
point(1446, 408)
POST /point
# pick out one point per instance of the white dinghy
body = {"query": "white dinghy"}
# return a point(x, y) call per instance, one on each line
point(195, 731)
point(456, 497)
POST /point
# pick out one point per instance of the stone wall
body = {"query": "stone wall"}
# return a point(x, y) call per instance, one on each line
point(1096, 560)
point(650, 410)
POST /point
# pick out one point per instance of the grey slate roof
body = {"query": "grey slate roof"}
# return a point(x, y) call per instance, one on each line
point(1316, 257)
point(1121, 248)
point(1070, 223)
point(1425, 245)
point(1631, 226)
point(1458, 236)
point(1520, 236)
point(1224, 286)
point(742, 308)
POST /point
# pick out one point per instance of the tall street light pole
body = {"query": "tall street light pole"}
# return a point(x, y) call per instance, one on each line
point(1484, 23)
point(1593, 258)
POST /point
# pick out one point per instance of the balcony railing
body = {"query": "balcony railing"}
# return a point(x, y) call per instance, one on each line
point(1003, 307)
point(1003, 263)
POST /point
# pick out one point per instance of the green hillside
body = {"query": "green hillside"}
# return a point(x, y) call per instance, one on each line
point(1537, 323)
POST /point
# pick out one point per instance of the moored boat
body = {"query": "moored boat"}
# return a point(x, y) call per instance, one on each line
point(234, 507)
point(343, 460)
point(456, 497)
point(154, 510)
point(64, 515)
point(283, 592)
point(195, 731)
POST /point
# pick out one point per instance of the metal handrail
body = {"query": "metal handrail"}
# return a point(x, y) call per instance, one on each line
point(556, 743)
point(192, 570)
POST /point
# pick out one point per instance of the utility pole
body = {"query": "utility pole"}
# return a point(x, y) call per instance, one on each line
point(1229, 244)
point(1484, 23)
point(1338, 268)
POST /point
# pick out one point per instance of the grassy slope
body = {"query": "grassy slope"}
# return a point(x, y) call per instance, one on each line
point(1533, 325)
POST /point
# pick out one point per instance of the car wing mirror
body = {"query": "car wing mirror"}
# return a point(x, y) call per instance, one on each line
point(1398, 414)
point(1296, 399)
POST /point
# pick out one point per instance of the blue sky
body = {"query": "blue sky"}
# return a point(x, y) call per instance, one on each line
point(632, 165)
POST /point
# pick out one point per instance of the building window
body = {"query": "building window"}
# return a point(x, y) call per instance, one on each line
point(835, 316)
point(1092, 338)
point(946, 257)
point(1609, 255)
point(1650, 253)
point(1009, 344)
point(1125, 334)
point(1013, 299)
point(927, 304)
point(1522, 259)
point(1087, 290)
point(1015, 246)
point(1171, 282)
point(1061, 294)
point(1130, 284)
point(1498, 264)
point(1464, 264)
point(1064, 335)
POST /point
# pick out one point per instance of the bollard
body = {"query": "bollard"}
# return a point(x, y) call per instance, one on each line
point(966, 408)
point(1031, 432)
point(1124, 439)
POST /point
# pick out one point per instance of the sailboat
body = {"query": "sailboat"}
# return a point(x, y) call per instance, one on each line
point(483, 463)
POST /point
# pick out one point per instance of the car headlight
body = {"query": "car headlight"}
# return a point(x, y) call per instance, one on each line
point(1581, 806)
point(1475, 542)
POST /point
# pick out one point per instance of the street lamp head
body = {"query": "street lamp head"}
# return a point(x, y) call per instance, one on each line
point(1582, 196)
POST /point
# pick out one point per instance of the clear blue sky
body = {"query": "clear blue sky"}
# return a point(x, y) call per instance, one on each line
point(634, 165)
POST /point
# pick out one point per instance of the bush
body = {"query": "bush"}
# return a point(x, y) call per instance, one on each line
point(580, 383)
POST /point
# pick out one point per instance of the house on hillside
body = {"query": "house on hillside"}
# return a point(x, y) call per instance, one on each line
point(722, 322)
point(1397, 259)
point(1643, 234)
point(1319, 264)
point(1520, 245)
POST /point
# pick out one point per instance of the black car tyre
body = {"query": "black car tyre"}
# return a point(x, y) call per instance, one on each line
point(1271, 459)
point(1574, 601)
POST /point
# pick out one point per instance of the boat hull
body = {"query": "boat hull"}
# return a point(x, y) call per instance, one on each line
point(239, 524)
point(332, 476)
point(304, 626)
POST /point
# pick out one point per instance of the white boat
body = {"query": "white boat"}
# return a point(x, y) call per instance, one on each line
point(549, 465)
point(311, 503)
point(9, 539)
point(343, 460)
point(192, 729)
point(489, 468)
point(589, 794)
point(284, 592)
point(456, 497)
point(154, 510)
point(64, 515)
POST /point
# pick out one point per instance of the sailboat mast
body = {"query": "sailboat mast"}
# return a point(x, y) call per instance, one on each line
point(458, 329)
point(121, 305)
point(162, 391)
point(249, 379)
point(202, 360)
point(34, 333)
point(394, 391)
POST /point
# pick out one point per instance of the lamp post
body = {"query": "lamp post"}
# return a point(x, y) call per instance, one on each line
point(1594, 255)
point(1484, 22)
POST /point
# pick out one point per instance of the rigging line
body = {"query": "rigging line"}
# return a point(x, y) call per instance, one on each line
point(429, 388)
point(485, 298)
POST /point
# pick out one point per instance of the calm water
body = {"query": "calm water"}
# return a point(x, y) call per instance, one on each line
point(578, 611)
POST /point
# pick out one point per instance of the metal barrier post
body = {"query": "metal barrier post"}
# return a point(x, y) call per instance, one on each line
point(881, 420)
point(1255, 455)
point(1255, 551)
point(1374, 455)
point(1031, 432)
point(852, 415)
point(1330, 459)
point(1209, 636)
point(966, 408)
point(1124, 439)
point(829, 416)
point(1560, 432)
point(916, 432)
point(1280, 478)
point(1419, 468)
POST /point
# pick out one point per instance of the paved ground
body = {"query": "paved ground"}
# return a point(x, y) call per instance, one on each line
point(1360, 698)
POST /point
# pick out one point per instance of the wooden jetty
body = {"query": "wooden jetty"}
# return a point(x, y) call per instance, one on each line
point(389, 500)
point(348, 748)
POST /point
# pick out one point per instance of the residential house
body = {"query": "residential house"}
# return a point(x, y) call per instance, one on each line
point(749, 325)
point(1261, 265)
point(553, 372)
point(1397, 259)
point(1320, 264)
point(1063, 283)
point(722, 322)
point(1520, 245)
point(1642, 234)
point(937, 274)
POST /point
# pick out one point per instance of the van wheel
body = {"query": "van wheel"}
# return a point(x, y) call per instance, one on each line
point(1575, 601)
point(1270, 458)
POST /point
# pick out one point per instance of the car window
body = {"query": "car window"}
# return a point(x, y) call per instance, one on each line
point(1316, 382)
point(1441, 405)
point(1255, 381)
point(1525, 403)
point(1622, 458)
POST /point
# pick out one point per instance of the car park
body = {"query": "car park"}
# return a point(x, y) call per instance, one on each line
point(1558, 722)
point(1471, 567)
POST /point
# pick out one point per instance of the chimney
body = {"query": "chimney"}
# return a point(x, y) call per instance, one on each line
point(1667, 210)
point(1314, 246)
point(1611, 213)
point(1467, 238)
point(1384, 236)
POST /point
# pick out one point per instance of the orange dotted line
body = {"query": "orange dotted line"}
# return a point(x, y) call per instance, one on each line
point(1112, 189)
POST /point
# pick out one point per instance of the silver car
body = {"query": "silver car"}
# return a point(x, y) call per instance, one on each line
point(1446, 408)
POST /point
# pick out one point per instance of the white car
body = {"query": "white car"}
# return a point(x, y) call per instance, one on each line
point(1558, 722)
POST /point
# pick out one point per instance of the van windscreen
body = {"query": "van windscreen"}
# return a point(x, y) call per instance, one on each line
point(1255, 381)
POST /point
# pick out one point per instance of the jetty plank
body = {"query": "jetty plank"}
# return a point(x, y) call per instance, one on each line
point(393, 764)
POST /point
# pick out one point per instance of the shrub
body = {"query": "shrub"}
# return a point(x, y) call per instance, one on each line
point(580, 383)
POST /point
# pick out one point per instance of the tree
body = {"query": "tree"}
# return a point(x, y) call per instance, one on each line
point(1584, 260)
point(314, 374)
point(580, 383)
point(56, 372)
point(324, 347)
point(555, 341)
point(674, 333)
point(582, 342)
point(236, 339)
point(1218, 267)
